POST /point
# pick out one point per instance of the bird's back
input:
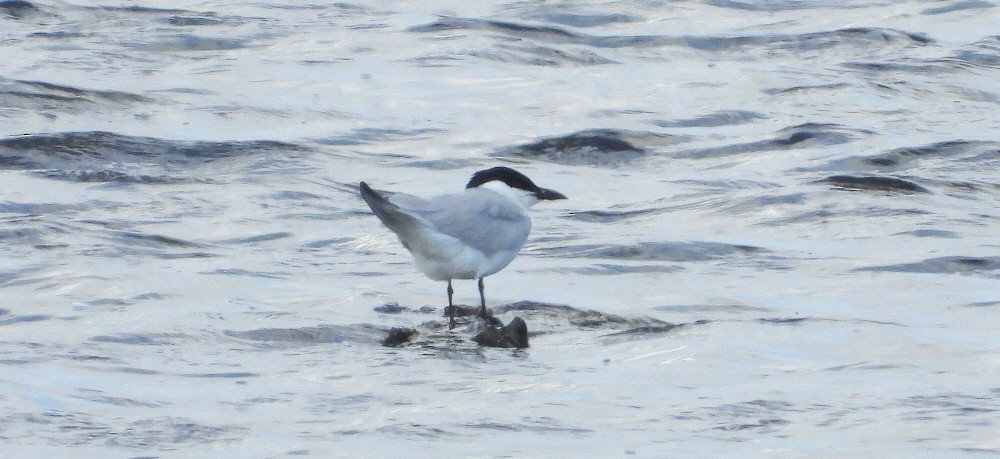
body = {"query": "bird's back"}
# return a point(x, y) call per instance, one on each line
point(465, 235)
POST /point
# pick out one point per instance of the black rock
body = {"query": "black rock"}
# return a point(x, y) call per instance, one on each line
point(399, 336)
point(512, 335)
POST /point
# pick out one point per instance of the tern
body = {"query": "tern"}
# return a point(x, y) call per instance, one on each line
point(466, 235)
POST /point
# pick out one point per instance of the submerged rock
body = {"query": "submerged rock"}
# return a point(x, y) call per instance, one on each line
point(512, 335)
point(398, 336)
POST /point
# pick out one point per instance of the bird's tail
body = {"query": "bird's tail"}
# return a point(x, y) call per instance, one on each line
point(391, 215)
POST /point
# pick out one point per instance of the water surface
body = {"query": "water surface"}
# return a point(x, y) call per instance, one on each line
point(781, 238)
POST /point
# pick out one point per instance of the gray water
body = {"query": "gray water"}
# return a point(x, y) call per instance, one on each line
point(781, 237)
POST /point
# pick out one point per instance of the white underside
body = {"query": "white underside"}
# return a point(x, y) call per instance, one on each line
point(442, 257)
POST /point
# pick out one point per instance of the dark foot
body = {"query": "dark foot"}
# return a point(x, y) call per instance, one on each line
point(460, 311)
point(489, 319)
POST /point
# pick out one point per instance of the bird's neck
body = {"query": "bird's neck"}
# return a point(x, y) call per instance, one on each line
point(525, 199)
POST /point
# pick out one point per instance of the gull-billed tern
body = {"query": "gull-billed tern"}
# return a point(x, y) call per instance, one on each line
point(466, 235)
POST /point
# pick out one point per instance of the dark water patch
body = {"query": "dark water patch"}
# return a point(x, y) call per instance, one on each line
point(862, 366)
point(715, 119)
point(100, 397)
point(323, 243)
point(20, 235)
point(529, 425)
point(171, 434)
point(136, 9)
point(124, 247)
point(658, 251)
point(365, 136)
point(39, 96)
point(798, 90)
point(89, 358)
point(158, 434)
point(858, 38)
point(413, 430)
point(873, 183)
point(200, 19)
point(942, 234)
point(18, 9)
point(248, 273)
point(594, 147)
point(807, 135)
point(578, 318)
point(332, 334)
point(904, 158)
point(540, 56)
point(71, 150)
point(948, 149)
point(188, 43)
point(985, 304)
point(923, 67)
point(102, 302)
point(984, 53)
point(612, 215)
point(548, 33)
point(942, 265)
point(611, 269)
point(292, 195)
point(651, 331)
point(149, 296)
point(783, 320)
point(876, 35)
point(761, 424)
point(959, 6)
point(191, 20)
point(108, 176)
point(61, 92)
point(140, 339)
point(754, 417)
point(447, 164)
point(952, 405)
point(737, 308)
point(866, 37)
point(773, 6)
point(11, 320)
point(154, 240)
point(225, 375)
point(138, 371)
point(257, 239)
point(583, 19)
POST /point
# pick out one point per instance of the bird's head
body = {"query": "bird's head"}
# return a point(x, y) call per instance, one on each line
point(512, 183)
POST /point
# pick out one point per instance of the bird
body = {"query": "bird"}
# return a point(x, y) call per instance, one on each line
point(467, 235)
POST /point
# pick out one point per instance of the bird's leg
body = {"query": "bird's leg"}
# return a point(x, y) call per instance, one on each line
point(482, 300)
point(490, 320)
point(451, 308)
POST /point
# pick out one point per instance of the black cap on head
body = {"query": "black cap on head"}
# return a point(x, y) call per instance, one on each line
point(513, 179)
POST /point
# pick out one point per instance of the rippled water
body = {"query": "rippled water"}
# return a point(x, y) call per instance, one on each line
point(781, 239)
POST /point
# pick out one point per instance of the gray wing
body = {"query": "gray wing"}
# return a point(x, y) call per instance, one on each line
point(479, 218)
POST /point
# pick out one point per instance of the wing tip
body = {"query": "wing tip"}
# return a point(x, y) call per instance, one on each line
point(369, 194)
